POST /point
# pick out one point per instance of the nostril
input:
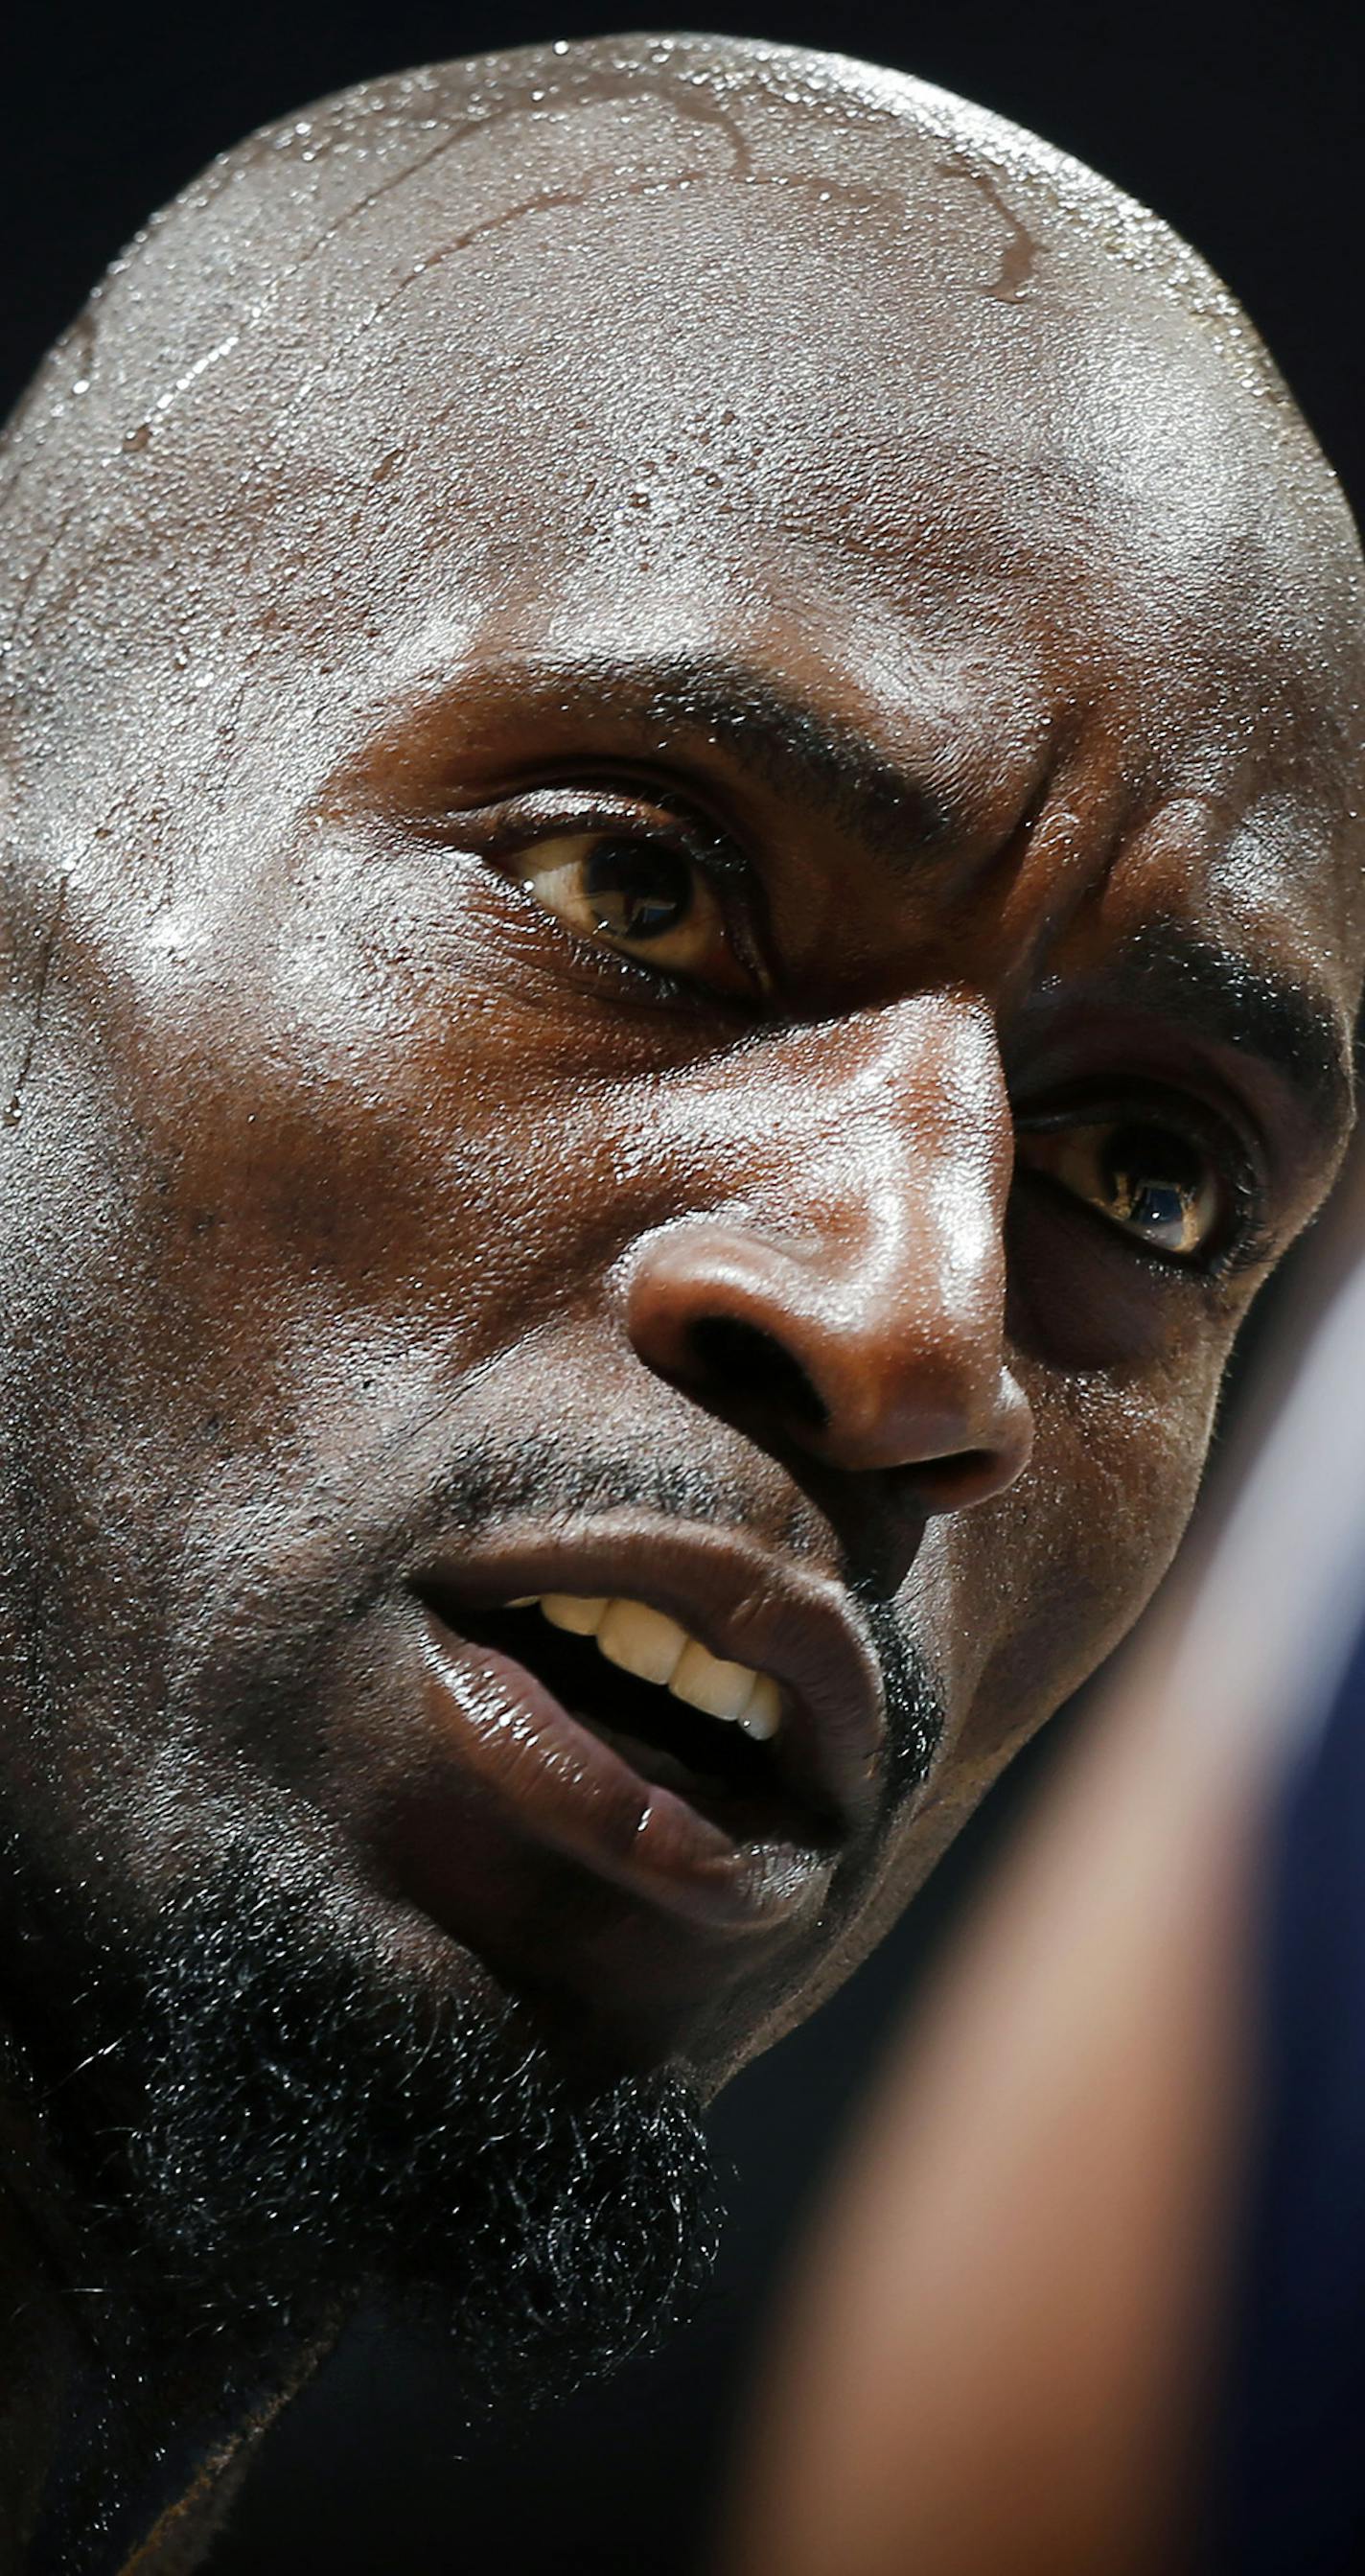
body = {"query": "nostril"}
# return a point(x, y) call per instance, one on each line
point(963, 1476)
point(755, 1370)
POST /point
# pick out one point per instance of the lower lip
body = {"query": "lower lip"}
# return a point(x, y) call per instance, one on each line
point(560, 1786)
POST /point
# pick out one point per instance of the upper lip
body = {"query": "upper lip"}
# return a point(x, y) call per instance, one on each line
point(740, 1600)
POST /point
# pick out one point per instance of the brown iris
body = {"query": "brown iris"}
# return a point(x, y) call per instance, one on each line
point(637, 889)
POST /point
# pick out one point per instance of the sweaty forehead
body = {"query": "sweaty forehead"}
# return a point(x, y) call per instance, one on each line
point(678, 330)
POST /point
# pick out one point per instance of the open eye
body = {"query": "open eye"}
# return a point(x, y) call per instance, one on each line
point(650, 879)
point(1148, 1179)
point(643, 893)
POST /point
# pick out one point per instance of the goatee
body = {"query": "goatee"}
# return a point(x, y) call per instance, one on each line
point(257, 2126)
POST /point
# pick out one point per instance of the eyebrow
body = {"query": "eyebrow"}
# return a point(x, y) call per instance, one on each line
point(1168, 969)
point(770, 732)
point(1172, 972)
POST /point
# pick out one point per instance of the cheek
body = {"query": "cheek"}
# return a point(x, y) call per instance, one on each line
point(1039, 1586)
point(394, 1130)
point(1018, 1601)
point(1081, 1306)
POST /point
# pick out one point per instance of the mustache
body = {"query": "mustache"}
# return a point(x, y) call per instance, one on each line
point(493, 1480)
point(363, 1529)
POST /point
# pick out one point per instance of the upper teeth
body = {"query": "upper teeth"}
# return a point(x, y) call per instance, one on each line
point(656, 1649)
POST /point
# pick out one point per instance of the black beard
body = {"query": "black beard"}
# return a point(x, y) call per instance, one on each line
point(254, 2126)
point(252, 2116)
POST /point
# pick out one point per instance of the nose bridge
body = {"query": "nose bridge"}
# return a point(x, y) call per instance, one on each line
point(902, 1157)
point(853, 1227)
point(878, 1154)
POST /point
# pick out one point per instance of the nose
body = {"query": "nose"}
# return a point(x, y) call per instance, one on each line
point(847, 1300)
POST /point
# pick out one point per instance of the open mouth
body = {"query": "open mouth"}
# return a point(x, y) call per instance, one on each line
point(683, 1719)
point(695, 1722)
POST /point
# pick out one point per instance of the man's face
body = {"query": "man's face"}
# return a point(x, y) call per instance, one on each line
point(703, 956)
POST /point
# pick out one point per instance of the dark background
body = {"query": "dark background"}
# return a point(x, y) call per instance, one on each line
point(1244, 129)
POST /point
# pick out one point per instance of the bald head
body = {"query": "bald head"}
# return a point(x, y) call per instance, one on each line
point(630, 309)
point(460, 151)
point(683, 730)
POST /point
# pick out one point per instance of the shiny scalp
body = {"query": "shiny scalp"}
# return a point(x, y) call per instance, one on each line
point(674, 111)
point(455, 154)
point(499, 138)
point(305, 228)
